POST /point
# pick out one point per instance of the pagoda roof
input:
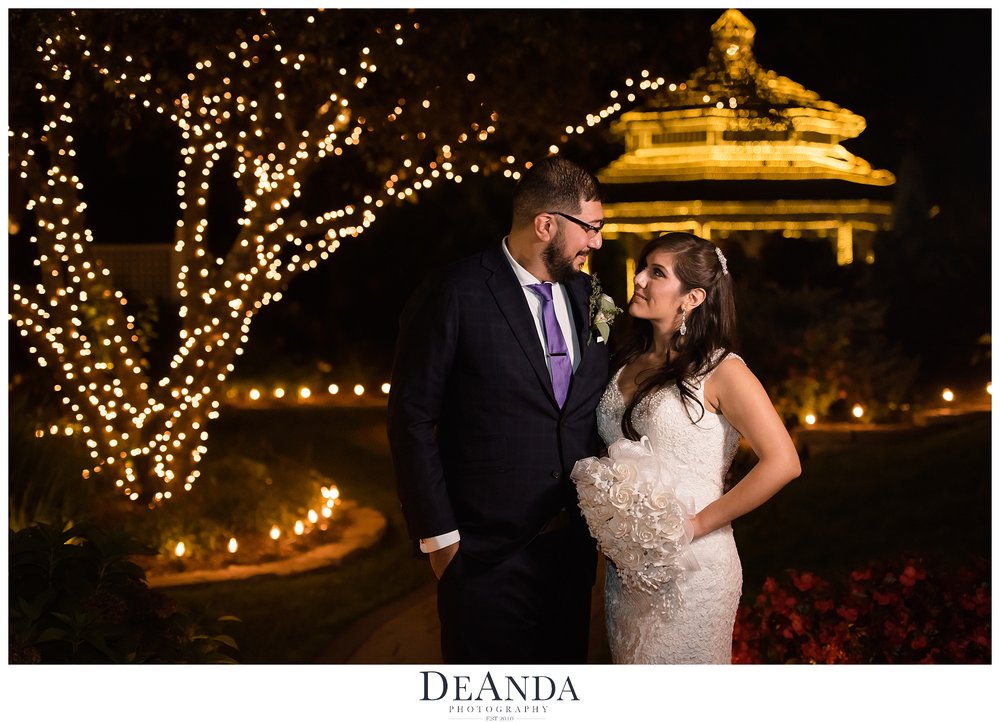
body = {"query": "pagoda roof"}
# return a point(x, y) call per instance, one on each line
point(748, 191)
point(733, 74)
point(733, 120)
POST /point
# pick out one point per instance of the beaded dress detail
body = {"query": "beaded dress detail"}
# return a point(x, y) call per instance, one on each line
point(700, 629)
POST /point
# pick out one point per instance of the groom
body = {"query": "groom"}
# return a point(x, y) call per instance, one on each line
point(494, 388)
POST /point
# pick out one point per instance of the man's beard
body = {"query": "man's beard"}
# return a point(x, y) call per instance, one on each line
point(560, 267)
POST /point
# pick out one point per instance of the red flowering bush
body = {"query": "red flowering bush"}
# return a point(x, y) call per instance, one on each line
point(883, 614)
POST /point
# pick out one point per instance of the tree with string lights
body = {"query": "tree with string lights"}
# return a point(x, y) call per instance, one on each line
point(276, 108)
point(272, 104)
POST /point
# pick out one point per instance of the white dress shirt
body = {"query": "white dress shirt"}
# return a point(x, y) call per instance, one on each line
point(560, 299)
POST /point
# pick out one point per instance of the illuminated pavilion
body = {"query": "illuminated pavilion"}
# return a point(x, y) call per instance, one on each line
point(737, 154)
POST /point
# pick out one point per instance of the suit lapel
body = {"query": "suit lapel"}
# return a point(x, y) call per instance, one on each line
point(579, 296)
point(509, 297)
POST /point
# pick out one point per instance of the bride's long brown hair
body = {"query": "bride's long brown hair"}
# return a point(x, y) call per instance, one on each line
point(710, 326)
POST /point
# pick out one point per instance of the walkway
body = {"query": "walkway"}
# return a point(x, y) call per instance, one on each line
point(406, 632)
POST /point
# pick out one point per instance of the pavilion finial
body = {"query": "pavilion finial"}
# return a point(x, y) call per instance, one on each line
point(732, 36)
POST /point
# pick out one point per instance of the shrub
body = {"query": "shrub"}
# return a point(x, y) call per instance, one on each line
point(44, 474)
point(884, 614)
point(236, 496)
point(75, 597)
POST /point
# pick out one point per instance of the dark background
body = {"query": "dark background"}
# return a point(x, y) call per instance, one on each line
point(921, 79)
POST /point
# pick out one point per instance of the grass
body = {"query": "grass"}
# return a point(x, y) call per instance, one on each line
point(925, 492)
point(293, 619)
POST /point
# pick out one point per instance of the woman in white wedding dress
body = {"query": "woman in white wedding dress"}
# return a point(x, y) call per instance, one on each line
point(682, 387)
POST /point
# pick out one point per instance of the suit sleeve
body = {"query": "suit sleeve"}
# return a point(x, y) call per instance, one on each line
point(425, 352)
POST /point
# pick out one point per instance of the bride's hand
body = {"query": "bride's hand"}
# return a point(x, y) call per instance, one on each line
point(696, 530)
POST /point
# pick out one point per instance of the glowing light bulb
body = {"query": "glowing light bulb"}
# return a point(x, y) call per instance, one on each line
point(989, 388)
point(810, 419)
point(304, 392)
point(385, 388)
point(179, 549)
point(299, 527)
point(275, 532)
point(858, 411)
point(333, 388)
point(254, 394)
point(313, 516)
point(359, 390)
point(233, 546)
point(279, 392)
point(948, 395)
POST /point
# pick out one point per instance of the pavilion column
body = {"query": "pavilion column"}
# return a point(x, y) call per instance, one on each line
point(629, 277)
point(845, 244)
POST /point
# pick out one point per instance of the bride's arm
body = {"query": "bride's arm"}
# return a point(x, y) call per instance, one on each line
point(735, 392)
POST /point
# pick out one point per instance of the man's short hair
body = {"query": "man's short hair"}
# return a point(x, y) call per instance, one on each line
point(553, 184)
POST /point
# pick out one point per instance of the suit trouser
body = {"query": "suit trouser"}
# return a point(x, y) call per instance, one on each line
point(533, 606)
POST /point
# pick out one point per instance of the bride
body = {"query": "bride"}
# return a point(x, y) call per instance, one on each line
point(681, 386)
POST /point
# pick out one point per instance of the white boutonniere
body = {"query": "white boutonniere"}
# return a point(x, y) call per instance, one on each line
point(603, 312)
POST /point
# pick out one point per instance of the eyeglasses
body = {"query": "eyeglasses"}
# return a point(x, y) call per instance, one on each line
point(591, 230)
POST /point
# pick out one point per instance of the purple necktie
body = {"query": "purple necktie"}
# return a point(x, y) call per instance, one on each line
point(560, 365)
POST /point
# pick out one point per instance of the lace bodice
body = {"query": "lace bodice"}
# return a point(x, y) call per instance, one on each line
point(696, 453)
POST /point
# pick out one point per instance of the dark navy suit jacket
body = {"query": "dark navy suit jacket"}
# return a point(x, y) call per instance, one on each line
point(478, 441)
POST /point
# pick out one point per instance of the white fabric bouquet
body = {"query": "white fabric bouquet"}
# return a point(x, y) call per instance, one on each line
point(634, 513)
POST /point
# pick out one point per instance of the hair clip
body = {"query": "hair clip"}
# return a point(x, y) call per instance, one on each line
point(722, 261)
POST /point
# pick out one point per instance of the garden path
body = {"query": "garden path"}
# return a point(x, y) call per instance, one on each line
point(406, 631)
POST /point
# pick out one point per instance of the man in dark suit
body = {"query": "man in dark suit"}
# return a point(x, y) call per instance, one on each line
point(492, 401)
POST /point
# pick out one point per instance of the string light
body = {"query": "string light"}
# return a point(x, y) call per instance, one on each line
point(146, 434)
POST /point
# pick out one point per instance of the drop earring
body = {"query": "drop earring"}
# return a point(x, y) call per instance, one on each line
point(683, 328)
